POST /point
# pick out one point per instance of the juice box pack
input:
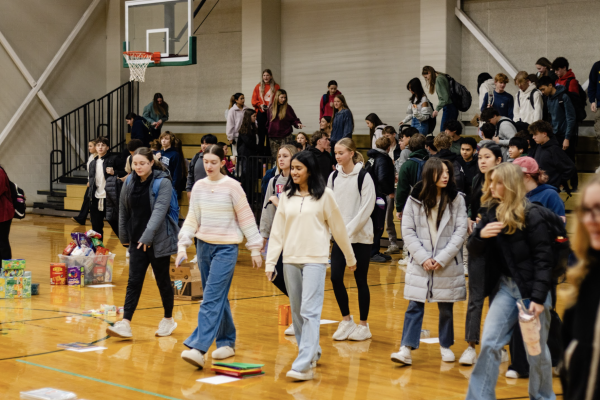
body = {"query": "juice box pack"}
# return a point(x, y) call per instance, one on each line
point(15, 287)
point(58, 274)
point(13, 268)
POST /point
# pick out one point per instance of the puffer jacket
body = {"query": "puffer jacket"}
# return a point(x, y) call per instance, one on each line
point(113, 184)
point(448, 283)
point(531, 257)
point(161, 232)
point(382, 171)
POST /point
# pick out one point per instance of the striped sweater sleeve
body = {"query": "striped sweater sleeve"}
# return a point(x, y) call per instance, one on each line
point(191, 223)
point(246, 221)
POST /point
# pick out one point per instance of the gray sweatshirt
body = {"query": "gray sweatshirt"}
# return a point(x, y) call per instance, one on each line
point(268, 212)
point(404, 155)
point(195, 171)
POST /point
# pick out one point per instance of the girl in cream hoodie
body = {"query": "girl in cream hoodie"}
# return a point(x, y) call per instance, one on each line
point(307, 210)
point(356, 207)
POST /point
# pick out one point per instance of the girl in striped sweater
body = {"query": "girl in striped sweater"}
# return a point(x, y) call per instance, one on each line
point(219, 217)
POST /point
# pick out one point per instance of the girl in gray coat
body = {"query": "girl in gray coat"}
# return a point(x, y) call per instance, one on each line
point(434, 227)
point(151, 235)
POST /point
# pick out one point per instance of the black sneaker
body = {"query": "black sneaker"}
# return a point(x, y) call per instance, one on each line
point(387, 257)
point(378, 258)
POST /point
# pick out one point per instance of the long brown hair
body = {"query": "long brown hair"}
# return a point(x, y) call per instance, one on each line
point(178, 146)
point(431, 81)
point(581, 247)
point(351, 146)
point(148, 155)
point(279, 110)
point(248, 127)
point(160, 109)
point(544, 62)
point(272, 83)
point(344, 107)
point(432, 172)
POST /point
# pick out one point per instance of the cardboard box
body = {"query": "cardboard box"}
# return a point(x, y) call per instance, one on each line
point(76, 276)
point(58, 274)
point(285, 314)
point(186, 281)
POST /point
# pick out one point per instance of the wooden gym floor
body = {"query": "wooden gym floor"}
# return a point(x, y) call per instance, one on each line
point(151, 368)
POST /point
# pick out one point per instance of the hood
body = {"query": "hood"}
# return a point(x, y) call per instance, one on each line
point(355, 171)
point(237, 108)
point(568, 75)
point(474, 161)
point(446, 154)
point(559, 91)
point(315, 151)
point(421, 153)
point(169, 150)
point(483, 142)
point(482, 78)
point(416, 190)
point(373, 153)
point(530, 89)
point(336, 93)
point(156, 174)
point(541, 188)
point(140, 118)
point(549, 143)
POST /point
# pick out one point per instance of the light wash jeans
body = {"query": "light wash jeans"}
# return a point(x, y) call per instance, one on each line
point(497, 331)
point(217, 263)
point(306, 288)
point(423, 127)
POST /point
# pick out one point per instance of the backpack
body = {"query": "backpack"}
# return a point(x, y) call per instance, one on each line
point(545, 114)
point(579, 100)
point(420, 164)
point(325, 98)
point(18, 198)
point(506, 120)
point(459, 94)
point(264, 183)
point(173, 205)
point(561, 247)
point(432, 122)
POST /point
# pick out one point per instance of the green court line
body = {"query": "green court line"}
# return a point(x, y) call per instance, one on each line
point(100, 380)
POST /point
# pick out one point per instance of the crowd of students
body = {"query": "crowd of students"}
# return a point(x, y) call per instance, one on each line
point(466, 208)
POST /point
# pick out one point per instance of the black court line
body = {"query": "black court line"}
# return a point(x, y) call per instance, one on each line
point(50, 352)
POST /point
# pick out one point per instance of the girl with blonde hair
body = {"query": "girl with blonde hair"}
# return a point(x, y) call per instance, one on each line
point(512, 242)
point(354, 191)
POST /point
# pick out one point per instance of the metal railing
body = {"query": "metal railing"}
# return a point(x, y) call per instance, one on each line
point(72, 132)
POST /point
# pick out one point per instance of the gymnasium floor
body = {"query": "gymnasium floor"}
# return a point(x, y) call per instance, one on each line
point(151, 368)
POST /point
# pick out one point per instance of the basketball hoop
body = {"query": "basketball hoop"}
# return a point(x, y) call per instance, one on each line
point(138, 62)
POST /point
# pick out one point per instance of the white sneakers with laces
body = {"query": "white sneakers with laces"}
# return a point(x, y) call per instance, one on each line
point(166, 327)
point(300, 376)
point(510, 374)
point(345, 328)
point(193, 357)
point(360, 333)
point(447, 355)
point(120, 329)
point(403, 356)
point(223, 352)
point(469, 356)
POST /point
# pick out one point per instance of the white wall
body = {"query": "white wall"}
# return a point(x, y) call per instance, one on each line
point(36, 30)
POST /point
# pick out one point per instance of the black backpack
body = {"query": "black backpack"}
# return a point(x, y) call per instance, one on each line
point(579, 100)
point(18, 198)
point(459, 94)
point(561, 246)
point(432, 121)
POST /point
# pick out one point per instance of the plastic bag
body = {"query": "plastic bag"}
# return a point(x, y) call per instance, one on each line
point(530, 329)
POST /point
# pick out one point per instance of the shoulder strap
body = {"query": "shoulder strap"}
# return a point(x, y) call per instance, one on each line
point(156, 186)
point(361, 180)
point(531, 97)
point(335, 174)
point(275, 182)
point(568, 84)
point(128, 179)
point(324, 100)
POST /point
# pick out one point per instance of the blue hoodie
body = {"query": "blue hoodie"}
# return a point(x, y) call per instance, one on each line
point(547, 196)
point(170, 158)
point(563, 114)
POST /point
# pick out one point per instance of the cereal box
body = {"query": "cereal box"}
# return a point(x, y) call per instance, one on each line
point(75, 276)
point(58, 274)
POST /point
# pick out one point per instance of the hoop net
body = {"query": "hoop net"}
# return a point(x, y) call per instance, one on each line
point(138, 62)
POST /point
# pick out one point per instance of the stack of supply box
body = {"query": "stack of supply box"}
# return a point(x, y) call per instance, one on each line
point(239, 370)
point(15, 282)
point(85, 261)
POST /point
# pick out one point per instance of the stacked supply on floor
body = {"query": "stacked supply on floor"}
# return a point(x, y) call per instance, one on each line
point(85, 261)
point(15, 282)
point(238, 370)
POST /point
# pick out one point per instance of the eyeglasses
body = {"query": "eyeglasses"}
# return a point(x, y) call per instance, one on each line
point(594, 211)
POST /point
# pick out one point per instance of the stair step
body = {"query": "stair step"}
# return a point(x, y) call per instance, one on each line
point(80, 174)
point(71, 180)
point(53, 206)
point(55, 199)
point(57, 193)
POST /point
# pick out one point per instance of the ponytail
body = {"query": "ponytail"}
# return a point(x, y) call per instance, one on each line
point(350, 145)
point(234, 98)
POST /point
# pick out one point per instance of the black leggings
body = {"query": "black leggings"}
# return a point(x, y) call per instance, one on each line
point(279, 281)
point(5, 251)
point(97, 218)
point(138, 265)
point(338, 267)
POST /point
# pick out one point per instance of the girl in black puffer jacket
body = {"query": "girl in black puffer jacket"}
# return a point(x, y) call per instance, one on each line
point(517, 234)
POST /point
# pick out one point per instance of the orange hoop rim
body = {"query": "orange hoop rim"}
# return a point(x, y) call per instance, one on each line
point(154, 57)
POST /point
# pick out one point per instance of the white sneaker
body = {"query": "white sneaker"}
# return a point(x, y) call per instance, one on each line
point(447, 354)
point(290, 330)
point(127, 253)
point(300, 376)
point(120, 329)
point(345, 328)
point(195, 259)
point(360, 333)
point(504, 357)
point(194, 357)
point(392, 249)
point(166, 327)
point(403, 262)
point(469, 356)
point(222, 353)
point(403, 356)
point(512, 374)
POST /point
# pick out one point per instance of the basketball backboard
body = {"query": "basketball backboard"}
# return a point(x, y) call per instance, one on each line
point(163, 26)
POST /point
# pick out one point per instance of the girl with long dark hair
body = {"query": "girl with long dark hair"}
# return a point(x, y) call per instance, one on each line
point(262, 98)
point(325, 125)
point(235, 117)
point(437, 82)
point(219, 217)
point(434, 227)
point(156, 114)
point(419, 110)
point(281, 119)
point(147, 229)
point(307, 210)
point(326, 108)
point(376, 128)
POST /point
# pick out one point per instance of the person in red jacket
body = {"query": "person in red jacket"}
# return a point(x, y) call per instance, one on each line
point(281, 121)
point(262, 98)
point(326, 108)
point(7, 212)
point(561, 68)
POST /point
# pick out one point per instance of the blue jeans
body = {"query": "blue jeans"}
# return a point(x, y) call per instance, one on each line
point(450, 114)
point(413, 321)
point(306, 288)
point(497, 331)
point(217, 263)
point(423, 127)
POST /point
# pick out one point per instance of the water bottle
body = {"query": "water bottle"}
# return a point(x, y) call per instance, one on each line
point(530, 329)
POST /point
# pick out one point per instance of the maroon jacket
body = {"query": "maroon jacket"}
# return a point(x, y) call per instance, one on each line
point(281, 128)
point(7, 211)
